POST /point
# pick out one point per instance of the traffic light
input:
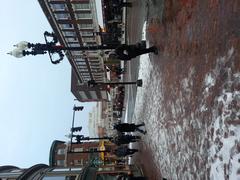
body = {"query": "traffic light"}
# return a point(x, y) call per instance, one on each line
point(79, 138)
point(76, 129)
point(78, 108)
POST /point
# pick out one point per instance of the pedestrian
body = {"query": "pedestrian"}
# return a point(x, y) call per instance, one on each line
point(127, 52)
point(124, 151)
point(130, 177)
point(120, 161)
point(121, 4)
point(125, 139)
point(129, 127)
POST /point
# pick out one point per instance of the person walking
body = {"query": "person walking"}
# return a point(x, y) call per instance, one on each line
point(125, 139)
point(129, 127)
point(121, 4)
point(127, 52)
point(124, 151)
point(130, 177)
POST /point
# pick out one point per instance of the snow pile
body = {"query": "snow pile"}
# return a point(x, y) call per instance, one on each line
point(224, 153)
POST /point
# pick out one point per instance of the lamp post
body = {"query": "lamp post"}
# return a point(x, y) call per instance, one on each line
point(25, 48)
point(93, 83)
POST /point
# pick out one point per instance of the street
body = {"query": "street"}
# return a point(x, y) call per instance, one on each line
point(190, 98)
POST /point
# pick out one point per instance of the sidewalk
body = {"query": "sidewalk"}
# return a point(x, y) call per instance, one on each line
point(144, 160)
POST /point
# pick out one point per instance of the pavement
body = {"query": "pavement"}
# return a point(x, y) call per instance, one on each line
point(135, 21)
point(190, 100)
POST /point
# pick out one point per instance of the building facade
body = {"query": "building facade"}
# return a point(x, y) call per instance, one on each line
point(101, 120)
point(75, 24)
point(61, 156)
point(45, 172)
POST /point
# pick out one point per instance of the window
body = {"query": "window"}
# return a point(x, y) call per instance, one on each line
point(94, 96)
point(84, 15)
point(83, 95)
point(60, 16)
point(76, 53)
point(87, 33)
point(81, 26)
point(58, 7)
point(66, 169)
point(66, 26)
point(81, 6)
point(78, 150)
point(89, 39)
point(60, 162)
point(85, 74)
point(73, 44)
point(70, 39)
point(60, 177)
point(87, 78)
point(78, 162)
point(84, 70)
point(78, 57)
point(69, 33)
point(81, 63)
point(61, 151)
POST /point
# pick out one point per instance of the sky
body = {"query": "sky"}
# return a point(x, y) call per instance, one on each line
point(35, 98)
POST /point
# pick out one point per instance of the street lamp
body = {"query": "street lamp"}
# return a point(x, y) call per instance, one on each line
point(93, 83)
point(24, 48)
point(122, 52)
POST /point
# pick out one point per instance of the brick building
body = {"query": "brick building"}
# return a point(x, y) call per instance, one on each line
point(60, 156)
point(75, 24)
point(45, 172)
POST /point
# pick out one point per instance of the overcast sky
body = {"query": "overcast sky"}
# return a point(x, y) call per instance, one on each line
point(35, 98)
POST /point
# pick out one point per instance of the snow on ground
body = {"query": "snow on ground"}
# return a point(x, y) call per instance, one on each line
point(224, 157)
point(178, 153)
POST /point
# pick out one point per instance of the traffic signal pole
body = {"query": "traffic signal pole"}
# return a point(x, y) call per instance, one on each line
point(75, 108)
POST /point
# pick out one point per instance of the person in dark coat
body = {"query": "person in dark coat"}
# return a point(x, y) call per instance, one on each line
point(126, 127)
point(127, 52)
point(130, 177)
point(125, 139)
point(121, 4)
point(124, 151)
